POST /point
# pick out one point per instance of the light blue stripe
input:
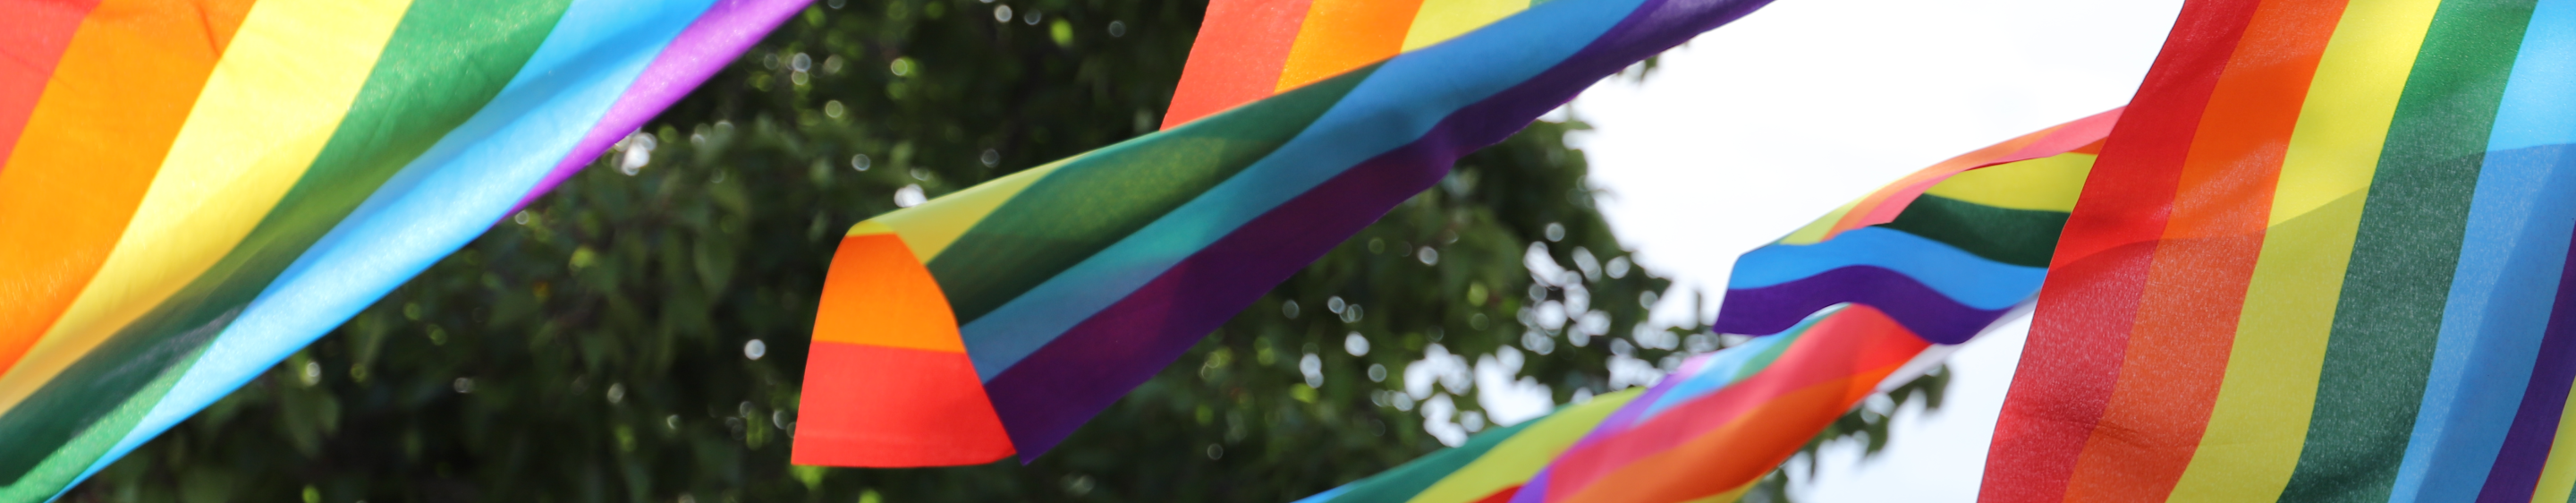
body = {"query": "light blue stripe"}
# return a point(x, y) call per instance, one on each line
point(1721, 371)
point(1328, 495)
point(1398, 103)
point(437, 203)
point(1957, 274)
point(2510, 259)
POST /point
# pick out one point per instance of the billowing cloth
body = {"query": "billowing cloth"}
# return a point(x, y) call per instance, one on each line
point(194, 190)
point(1251, 49)
point(1946, 251)
point(1710, 430)
point(999, 318)
point(2323, 257)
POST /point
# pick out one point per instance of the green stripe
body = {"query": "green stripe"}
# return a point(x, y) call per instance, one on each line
point(2390, 310)
point(1763, 360)
point(444, 61)
point(1403, 482)
point(64, 464)
point(1099, 198)
point(2011, 236)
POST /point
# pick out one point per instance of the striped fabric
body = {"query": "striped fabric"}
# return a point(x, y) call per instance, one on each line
point(1946, 251)
point(1984, 220)
point(2323, 257)
point(1490, 466)
point(1709, 432)
point(1053, 291)
point(194, 190)
point(1252, 49)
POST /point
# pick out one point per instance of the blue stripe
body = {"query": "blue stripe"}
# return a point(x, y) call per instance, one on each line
point(2510, 259)
point(1957, 274)
point(1721, 371)
point(437, 203)
point(1398, 103)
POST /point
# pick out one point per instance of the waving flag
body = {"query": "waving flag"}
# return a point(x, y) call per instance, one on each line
point(998, 319)
point(194, 190)
point(1946, 251)
point(1489, 466)
point(1251, 49)
point(2323, 257)
point(1987, 219)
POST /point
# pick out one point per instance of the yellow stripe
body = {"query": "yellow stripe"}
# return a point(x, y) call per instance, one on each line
point(929, 228)
point(1815, 232)
point(1514, 461)
point(272, 102)
point(2048, 183)
point(1441, 20)
point(2558, 476)
point(2260, 420)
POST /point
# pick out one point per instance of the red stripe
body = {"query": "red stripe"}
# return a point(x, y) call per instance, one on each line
point(2195, 287)
point(877, 406)
point(1240, 51)
point(2081, 329)
point(1856, 341)
point(32, 38)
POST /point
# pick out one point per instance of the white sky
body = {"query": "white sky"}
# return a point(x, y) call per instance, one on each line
point(1760, 126)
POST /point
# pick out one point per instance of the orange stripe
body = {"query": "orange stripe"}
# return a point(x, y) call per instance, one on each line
point(1875, 208)
point(2187, 314)
point(114, 104)
point(877, 294)
point(1343, 35)
point(1240, 51)
point(1737, 453)
point(32, 38)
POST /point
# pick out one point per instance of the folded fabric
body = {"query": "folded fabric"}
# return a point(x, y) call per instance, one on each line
point(194, 190)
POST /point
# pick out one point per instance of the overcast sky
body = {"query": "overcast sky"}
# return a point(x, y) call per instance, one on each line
point(1762, 125)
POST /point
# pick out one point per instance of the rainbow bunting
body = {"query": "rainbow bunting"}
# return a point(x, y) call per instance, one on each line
point(1946, 251)
point(1488, 467)
point(194, 190)
point(998, 319)
point(2323, 257)
point(1251, 49)
point(1722, 421)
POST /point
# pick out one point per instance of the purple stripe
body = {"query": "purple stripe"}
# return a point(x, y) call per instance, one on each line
point(1776, 308)
point(2526, 444)
point(714, 40)
point(1062, 385)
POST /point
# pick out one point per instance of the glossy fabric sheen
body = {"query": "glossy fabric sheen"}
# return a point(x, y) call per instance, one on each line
point(386, 134)
point(2353, 289)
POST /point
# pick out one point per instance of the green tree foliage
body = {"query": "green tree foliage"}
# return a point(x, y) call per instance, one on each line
point(639, 335)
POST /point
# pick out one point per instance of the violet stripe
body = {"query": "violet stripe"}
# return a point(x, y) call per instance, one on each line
point(1776, 308)
point(1053, 391)
point(726, 30)
point(2527, 443)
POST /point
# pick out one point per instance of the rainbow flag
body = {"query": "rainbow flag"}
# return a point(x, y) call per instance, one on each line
point(2323, 257)
point(1946, 251)
point(1724, 420)
point(1251, 49)
point(1490, 466)
point(195, 189)
point(999, 318)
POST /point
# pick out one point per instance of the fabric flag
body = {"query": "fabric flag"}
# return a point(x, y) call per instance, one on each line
point(999, 318)
point(1489, 466)
point(194, 190)
point(1251, 49)
point(1946, 251)
point(2323, 257)
point(1987, 219)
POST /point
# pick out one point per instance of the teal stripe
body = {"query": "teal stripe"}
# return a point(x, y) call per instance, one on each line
point(1096, 199)
point(421, 87)
point(2507, 279)
point(2381, 347)
point(1405, 98)
point(2018, 237)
